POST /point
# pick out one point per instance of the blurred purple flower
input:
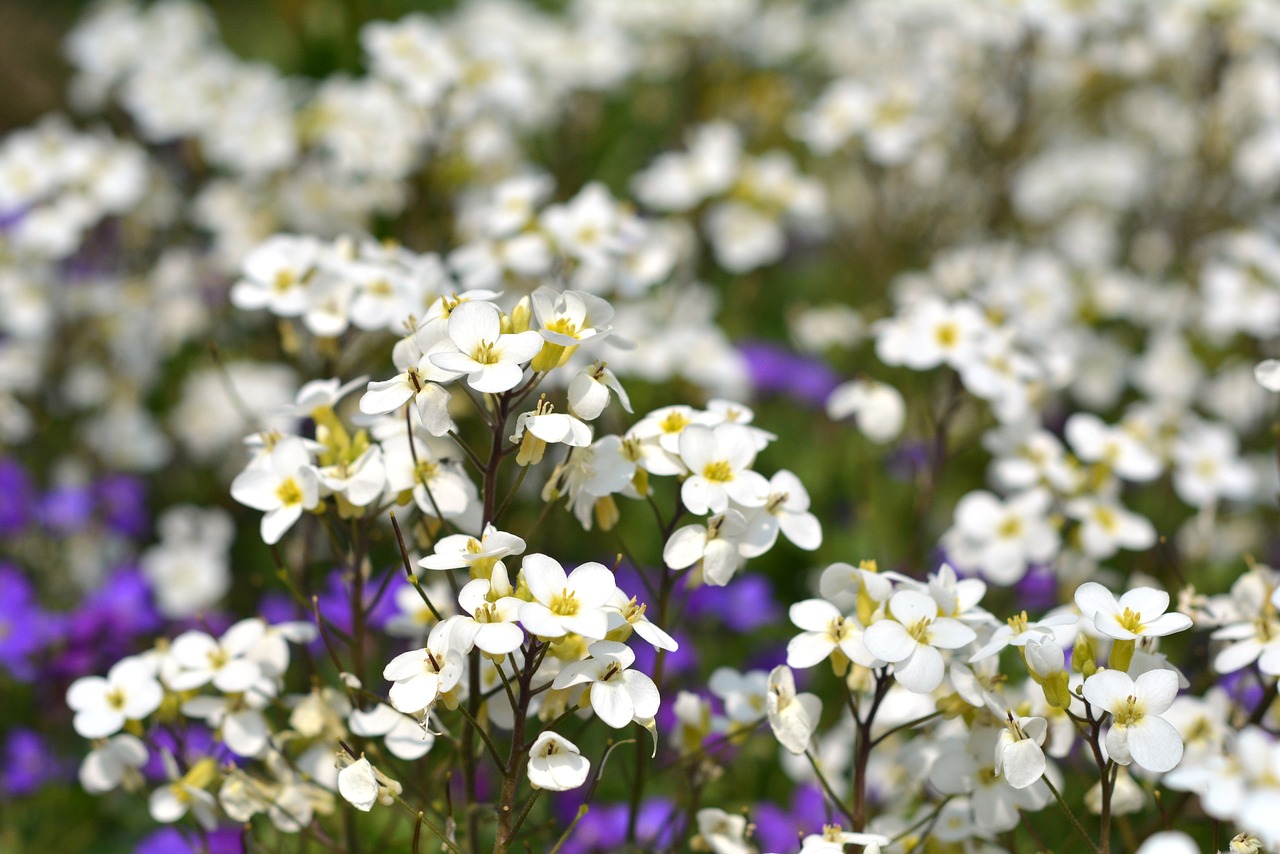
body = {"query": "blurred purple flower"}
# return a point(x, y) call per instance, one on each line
point(683, 660)
point(745, 604)
point(17, 497)
point(604, 828)
point(66, 509)
point(1038, 589)
point(774, 369)
point(27, 763)
point(335, 603)
point(23, 627)
point(122, 501)
point(909, 461)
point(170, 840)
point(189, 745)
point(103, 629)
point(779, 829)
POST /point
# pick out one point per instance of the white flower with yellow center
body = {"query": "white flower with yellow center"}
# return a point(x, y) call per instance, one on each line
point(1018, 754)
point(617, 695)
point(1139, 612)
point(570, 318)
point(1106, 527)
point(555, 764)
point(282, 484)
point(492, 361)
point(911, 640)
point(1138, 733)
point(563, 604)
point(129, 692)
point(1001, 538)
point(195, 659)
point(716, 545)
point(719, 462)
point(422, 676)
point(786, 509)
point(276, 275)
point(491, 626)
point(458, 551)
point(827, 631)
point(1116, 447)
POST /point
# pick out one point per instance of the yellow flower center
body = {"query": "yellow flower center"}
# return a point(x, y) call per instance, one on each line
point(283, 281)
point(1010, 528)
point(1104, 517)
point(564, 326)
point(565, 603)
point(1018, 623)
point(947, 335)
point(674, 422)
point(115, 699)
point(919, 630)
point(1131, 620)
point(485, 354)
point(1129, 712)
point(289, 492)
point(425, 470)
point(719, 471)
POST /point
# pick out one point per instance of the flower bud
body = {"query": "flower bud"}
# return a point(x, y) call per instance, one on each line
point(1083, 657)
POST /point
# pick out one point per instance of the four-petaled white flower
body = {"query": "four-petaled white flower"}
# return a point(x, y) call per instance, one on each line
point(715, 544)
point(283, 484)
point(422, 676)
point(566, 603)
point(129, 692)
point(827, 630)
point(787, 509)
point(1018, 754)
point(1138, 733)
point(491, 360)
point(911, 640)
point(1139, 612)
point(793, 717)
point(555, 764)
point(719, 461)
point(617, 695)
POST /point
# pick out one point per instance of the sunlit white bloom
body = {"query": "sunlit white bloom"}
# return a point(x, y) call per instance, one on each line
point(722, 832)
point(719, 459)
point(404, 735)
point(589, 392)
point(1139, 612)
point(1119, 449)
point(555, 764)
point(362, 786)
point(1002, 538)
point(129, 692)
point(1018, 754)
point(627, 613)
point(277, 274)
point(566, 603)
point(185, 793)
point(196, 659)
point(283, 486)
point(458, 551)
point(491, 360)
point(617, 694)
point(786, 509)
point(911, 640)
point(716, 545)
point(493, 617)
point(826, 631)
point(422, 676)
point(1137, 732)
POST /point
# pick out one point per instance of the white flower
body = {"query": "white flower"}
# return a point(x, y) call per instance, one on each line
point(793, 717)
point(196, 659)
point(457, 551)
point(570, 318)
point(362, 786)
point(422, 676)
point(493, 617)
point(785, 509)
point(185, 792)
point(544, 426)
point(1267, 373)
point(826, 630)
point(1001, 539)
point(1018, 754)
point(277, 273)
point(1138, 733)
point(722, 832)
point(129, 692)
point(719, 460)
point(430, 399)
point(589, 392)
point(491, 360)
point(716, 545)
point(617, 695)
point(1139, 612)
point(360, 481)
point(1117, 448)
point(282, 485)
point(1105, 527)
point(911, 640)
point(879, 408)
point(555, 764)
point(190, 569)
point(404, 736)
point(116, 761)
point(628, 612)
point(563, 604)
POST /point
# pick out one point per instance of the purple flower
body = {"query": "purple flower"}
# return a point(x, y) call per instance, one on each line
point(102, 630)
point(683, 660)
point(23, 627)
point(17, 497)
point(779, 829)
point(604, 827)
point(66, 509)
point(1038, 589)
point(335, 603)
point(776, 370)
point(122, 501)
point(27, 763)
point(171, 840)
point(188, 745)
point(744, 605)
